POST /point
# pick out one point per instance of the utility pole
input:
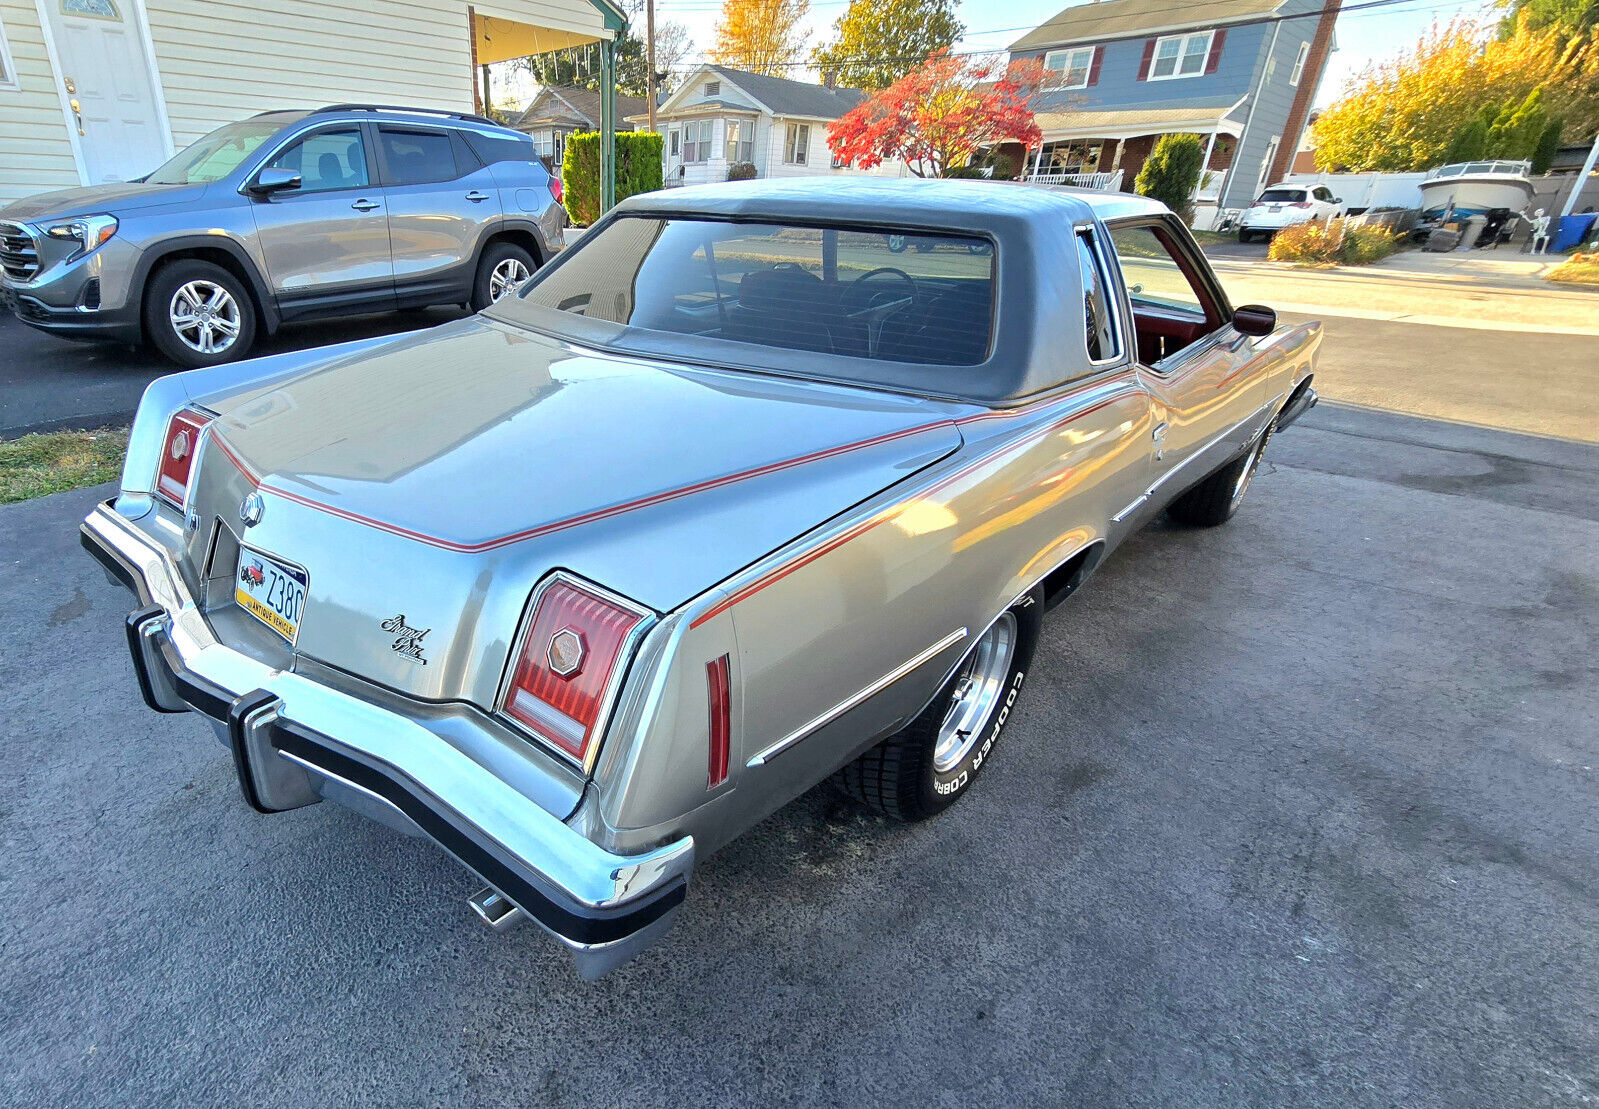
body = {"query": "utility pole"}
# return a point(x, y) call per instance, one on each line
point(649, 58)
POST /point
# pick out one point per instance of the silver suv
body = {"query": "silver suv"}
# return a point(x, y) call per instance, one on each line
point(285, 216)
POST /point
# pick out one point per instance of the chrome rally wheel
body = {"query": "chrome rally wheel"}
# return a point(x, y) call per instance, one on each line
point(979, 686)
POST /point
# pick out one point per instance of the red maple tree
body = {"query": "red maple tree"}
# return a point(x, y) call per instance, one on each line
point(938, 115)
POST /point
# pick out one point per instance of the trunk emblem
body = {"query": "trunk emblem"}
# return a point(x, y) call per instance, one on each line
point(251, 508)
point(566, 652)
point(407, 640)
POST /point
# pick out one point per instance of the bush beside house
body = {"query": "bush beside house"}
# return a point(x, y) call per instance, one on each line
point(638, 170)
point(1171, 173)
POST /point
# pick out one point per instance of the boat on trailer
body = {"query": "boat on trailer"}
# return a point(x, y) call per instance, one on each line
point(1464, 189)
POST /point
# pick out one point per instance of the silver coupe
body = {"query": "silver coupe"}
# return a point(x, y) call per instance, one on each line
point(760, 484)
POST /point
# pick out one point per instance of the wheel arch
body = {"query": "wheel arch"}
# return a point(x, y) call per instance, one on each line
point(523, 233)
point(219, 251)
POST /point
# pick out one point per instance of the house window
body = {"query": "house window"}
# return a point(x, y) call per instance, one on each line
point(557, 144)
point(673, 138)
point(794, 146)
point(1180, 56)
point(1265, 166)
point(697, 140)
point(1069, 69)
point(741, 140)
point(713, 88)
point(8, 71)
point(1299, 64)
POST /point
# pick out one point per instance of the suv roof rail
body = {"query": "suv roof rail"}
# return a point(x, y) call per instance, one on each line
point(464, 116)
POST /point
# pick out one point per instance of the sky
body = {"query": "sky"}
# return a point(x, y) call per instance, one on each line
point(1362, 36)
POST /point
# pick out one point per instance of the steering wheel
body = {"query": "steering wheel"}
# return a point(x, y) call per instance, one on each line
point(877, 306)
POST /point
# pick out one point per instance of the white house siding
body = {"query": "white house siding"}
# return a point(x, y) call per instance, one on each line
point(223, 60)
point(35, 153)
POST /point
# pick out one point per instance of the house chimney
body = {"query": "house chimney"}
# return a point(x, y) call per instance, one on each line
point(830, 78)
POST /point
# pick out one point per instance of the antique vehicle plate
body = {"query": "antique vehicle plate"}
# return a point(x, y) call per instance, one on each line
point(271, 590)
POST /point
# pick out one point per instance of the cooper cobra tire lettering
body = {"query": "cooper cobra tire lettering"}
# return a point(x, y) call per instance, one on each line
point(900, 776)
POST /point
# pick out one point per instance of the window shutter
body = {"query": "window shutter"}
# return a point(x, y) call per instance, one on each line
point(1093, 69)
point(1149, 57)
point(1213, 63)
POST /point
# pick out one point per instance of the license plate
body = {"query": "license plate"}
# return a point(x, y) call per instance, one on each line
point(271, 590)
point(1275, 208)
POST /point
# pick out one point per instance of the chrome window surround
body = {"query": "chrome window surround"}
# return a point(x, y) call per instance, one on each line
point(613, 684)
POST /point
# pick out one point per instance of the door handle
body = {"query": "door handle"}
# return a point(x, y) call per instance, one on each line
point(364, 205)
point(1159, 432)
point(474, 196)
point(77, 114)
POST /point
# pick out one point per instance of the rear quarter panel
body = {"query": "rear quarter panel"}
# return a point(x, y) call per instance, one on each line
point(814, 625)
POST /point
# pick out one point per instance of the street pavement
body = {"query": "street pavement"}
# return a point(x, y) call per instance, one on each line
point(47, 383)
point(1297, 811)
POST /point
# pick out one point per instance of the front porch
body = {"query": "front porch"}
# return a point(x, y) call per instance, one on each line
point(1105, 150)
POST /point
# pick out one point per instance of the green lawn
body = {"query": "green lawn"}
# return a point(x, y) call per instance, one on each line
point(51, 463)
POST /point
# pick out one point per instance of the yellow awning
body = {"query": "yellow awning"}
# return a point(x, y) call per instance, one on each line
point(500, 39)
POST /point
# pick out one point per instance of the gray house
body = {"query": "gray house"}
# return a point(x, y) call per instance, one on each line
point(559, 110)
point(1240, 73)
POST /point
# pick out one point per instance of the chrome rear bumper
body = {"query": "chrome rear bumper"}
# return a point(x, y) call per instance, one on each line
point(296, 741)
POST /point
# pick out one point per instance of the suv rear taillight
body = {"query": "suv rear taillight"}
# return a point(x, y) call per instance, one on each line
point(1301, 204)
point(555, 189)
point(568, 663)
point(177, 455)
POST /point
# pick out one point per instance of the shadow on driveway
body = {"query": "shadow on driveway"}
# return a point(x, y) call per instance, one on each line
point(47, 384)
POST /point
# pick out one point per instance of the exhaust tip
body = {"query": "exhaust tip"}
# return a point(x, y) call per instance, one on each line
point(495, 909)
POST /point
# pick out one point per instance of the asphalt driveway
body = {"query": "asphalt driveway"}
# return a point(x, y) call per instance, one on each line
point(1299, 811)
point(48, 383)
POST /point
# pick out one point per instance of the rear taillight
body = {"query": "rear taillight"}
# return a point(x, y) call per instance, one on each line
point(177, 455)
point(567, 665)
point(1301, 204)
point(721, 733)
point(555, 189)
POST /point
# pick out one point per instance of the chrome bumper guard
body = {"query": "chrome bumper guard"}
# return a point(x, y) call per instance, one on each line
point(295, 741)
point(1302, 402)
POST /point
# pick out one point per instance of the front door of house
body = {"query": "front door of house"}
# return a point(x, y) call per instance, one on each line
point(105, 78)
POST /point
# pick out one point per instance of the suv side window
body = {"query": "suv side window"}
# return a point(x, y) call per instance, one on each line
point(326, 160)
point(417, 157)
point(500, 148)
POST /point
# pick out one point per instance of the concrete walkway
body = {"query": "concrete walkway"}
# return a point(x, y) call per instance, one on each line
point(1487, 291)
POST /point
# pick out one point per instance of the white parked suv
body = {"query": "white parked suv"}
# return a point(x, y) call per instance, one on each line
point(1283, 205)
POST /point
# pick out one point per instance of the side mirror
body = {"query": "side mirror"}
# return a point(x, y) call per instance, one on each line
point(1254, 319)
point(1338, 200)
point(274, 180)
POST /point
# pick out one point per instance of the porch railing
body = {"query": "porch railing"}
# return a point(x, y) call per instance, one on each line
point(1104, 182)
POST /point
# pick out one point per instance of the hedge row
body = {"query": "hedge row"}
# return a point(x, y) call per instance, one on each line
point(638, 170)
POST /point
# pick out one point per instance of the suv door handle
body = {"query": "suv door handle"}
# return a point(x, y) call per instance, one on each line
point(474, 196)
point(365, 205)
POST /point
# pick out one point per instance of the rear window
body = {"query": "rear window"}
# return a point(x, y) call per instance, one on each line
point(500, 148)
point(1281, 196)
point(418, 157)
point(880, 296)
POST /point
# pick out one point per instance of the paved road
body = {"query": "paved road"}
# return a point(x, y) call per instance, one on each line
point(48, 383)
point(1299, 811)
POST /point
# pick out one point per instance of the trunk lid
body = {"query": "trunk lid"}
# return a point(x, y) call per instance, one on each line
point(439, 477)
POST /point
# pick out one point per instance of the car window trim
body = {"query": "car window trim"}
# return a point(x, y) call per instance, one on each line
point(309, 131)
point(1208, 285)
point(1113, 303)
point(388, 178)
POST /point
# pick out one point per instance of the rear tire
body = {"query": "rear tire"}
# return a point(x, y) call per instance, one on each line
point(502, 267)
point(925, 767)
point(1214, 500)
point(1245, 236)
point(198, 314)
